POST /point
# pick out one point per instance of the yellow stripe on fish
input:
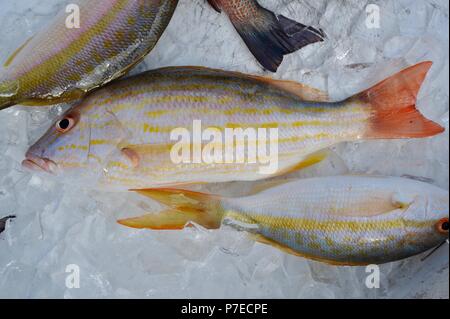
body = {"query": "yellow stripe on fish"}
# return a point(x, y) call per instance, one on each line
point(138, 122)
point(299, 217)
point(61, 63)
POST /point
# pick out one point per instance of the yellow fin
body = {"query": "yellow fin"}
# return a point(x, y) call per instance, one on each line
point(16, 53)
point(310, 160)
point(171, 219)
point(185, 206)
point(8, 91)
point(302, 91)
point(264, 240)
point(269, 184)
point(143, 150)
point(177, 197)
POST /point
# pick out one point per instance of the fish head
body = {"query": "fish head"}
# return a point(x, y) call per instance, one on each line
point(78, 144)
point(426, 215)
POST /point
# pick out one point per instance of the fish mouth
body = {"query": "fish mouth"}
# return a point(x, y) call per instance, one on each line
point(35, 163)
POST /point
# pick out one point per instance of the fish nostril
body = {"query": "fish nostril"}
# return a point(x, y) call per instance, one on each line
point(35, 152)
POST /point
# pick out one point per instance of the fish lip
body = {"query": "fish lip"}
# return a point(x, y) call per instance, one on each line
point(36, 163)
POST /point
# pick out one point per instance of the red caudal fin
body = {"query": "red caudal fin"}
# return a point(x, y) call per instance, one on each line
point(393, 103)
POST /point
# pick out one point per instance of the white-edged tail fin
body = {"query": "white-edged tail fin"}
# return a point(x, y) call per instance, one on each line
point(393, 103)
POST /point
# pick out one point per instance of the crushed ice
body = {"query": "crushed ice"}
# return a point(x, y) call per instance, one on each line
point(58, 226)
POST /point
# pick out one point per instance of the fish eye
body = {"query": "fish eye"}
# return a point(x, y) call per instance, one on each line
point(66, 124)
point(443, 226)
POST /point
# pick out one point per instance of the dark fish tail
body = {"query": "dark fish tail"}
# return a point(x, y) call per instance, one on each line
point(270, 37)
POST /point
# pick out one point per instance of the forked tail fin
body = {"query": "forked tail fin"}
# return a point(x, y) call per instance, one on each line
point(393, 103)
point(184, 207)
point(270, 37)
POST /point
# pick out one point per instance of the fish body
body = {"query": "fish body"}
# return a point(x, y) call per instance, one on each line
point(121, 135)
point(62, 63)
point(268, 36)
point(342, 220)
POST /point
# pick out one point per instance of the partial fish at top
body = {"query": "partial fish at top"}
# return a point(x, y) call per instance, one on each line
point(61, 64)
point(268, 36)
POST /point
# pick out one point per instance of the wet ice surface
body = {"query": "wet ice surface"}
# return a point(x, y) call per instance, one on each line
point(59, 225)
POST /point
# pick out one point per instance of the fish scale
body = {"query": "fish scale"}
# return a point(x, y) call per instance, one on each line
point(339, 219)
point(61, 64)
point(184, 107)
point(342, 220)
point(127, 125)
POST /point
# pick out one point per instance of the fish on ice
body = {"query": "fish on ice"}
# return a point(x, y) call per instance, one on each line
point(341, 220)
point(62, 63)
point(268, 36)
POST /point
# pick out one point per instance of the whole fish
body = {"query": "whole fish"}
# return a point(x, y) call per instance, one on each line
point(268, 36)
point(62, 62)
point(3, 222)
point(120, 136)
point(347, 220)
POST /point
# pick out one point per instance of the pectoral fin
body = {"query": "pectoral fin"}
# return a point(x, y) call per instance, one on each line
point(310, 160)
point(143, 150)
point(135, 155)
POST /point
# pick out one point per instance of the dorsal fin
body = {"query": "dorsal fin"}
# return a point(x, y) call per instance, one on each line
point(302, 91)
